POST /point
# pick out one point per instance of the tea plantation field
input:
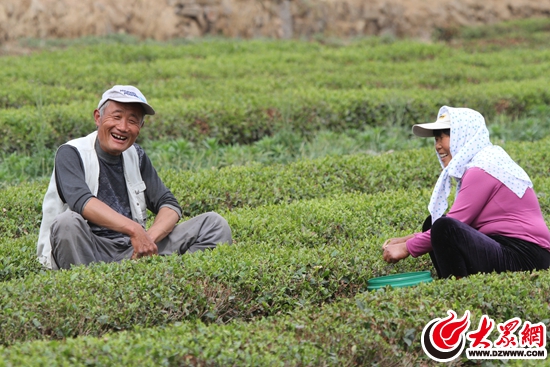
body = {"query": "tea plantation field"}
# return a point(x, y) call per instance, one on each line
point(292, 289)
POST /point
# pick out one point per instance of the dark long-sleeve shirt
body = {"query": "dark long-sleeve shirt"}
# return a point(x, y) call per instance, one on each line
point(73, 190)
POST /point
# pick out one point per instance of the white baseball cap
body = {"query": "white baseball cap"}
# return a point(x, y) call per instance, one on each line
point(426, 130)
point(126, 94)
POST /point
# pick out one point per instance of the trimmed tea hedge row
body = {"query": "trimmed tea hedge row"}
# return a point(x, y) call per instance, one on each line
point(233, 282)
point(214, 70)
point(373, 328)
point(251, 186)
point(248, 119)
point(233, 187)
point(239, 92)
point(308, 179)
point(21, 209)
point(332, 221)
point(18, 258)
point(329, 222)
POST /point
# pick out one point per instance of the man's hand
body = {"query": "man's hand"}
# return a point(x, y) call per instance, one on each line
point(101, 214)
point(143, 245)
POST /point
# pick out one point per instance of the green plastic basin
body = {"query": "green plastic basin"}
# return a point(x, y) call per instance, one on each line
point(400, 280)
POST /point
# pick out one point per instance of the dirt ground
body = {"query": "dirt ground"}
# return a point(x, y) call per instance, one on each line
point(165, 19)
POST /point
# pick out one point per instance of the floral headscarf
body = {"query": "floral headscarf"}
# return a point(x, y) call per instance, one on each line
point(470, 147)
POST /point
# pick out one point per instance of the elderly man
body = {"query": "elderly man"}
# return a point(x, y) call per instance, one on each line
point(96, 204)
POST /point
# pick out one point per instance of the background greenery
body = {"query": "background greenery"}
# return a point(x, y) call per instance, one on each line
point(305, 147)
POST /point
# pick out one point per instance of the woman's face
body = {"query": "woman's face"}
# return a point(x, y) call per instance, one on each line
point(443, 148)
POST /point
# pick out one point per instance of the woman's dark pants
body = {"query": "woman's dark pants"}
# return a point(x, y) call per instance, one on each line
point(460, 250)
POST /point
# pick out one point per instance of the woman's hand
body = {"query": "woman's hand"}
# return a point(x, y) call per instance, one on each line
point(393, 241)
point(395, 249)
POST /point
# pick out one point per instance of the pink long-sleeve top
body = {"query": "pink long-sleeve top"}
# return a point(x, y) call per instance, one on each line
point(487, 205)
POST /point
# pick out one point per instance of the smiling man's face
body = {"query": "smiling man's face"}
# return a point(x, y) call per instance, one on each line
point(118, 128)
